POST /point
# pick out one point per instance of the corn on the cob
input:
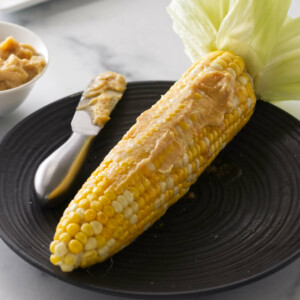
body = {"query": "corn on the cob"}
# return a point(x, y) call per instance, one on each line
point(156, 162)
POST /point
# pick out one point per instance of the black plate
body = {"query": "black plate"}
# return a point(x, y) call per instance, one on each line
point(238, 223)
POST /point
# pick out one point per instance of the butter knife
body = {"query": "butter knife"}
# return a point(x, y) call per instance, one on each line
point(58, 171)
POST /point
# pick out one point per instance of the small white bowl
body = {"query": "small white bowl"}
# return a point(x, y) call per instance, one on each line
point(10, 99)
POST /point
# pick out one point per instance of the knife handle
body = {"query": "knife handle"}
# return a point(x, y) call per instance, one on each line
point(57, 172)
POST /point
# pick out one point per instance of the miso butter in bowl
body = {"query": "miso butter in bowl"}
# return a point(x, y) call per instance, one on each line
point(13, 87)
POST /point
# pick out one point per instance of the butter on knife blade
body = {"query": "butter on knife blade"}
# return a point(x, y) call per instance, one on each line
point(101, 97)
point(57, 172)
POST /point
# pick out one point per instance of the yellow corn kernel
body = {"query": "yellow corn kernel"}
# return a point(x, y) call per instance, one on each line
point(96, 205)
point(133, 229)
point(140, 188)
point(151, 192)
point(74, 218)
point(52, 245)
point(111, 224)
point(90, 215)
point(126, 224)
point(97, 191)
point(108, 210)
point(111, 195)
point(101, 241)
point(87, 229)
point(141, 202)
point(117, 232)
point(141, 213)
point(102, 217)
point(104, 200)
point(124, 236)
point(106, 232)
point(92, 254)
point(119, 218)
point(146, 183)
point(89, 258)
point(134, 192)
point(92, 197)
point(58, 232)
point(55, 259)
point(84, 203)
point(65, 237)
point(81, 237)
point(75, 246)
point(72, 229)
point(70, 259)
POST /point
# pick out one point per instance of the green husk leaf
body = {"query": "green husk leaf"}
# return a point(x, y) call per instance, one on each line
point(199, 37)
point(280, 79)
point(259, 31)
point(250, 30)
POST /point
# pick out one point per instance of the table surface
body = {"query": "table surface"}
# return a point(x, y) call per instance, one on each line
point(84, 38)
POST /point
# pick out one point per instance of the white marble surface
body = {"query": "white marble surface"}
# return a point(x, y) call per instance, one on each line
point(133, 37)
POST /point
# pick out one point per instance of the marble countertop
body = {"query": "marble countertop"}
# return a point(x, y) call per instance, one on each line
point(84, 38)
